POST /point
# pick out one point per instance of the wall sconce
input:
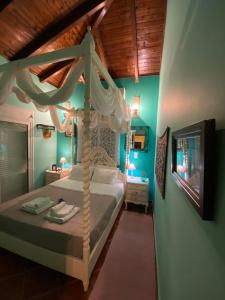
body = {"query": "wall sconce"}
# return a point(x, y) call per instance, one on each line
point(135, 107)
point(46, 130)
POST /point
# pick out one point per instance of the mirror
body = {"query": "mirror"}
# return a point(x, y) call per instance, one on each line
point(139, 138)
point(188, 160)
point(192, 164)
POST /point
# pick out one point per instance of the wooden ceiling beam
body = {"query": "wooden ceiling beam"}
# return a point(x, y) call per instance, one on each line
point(4, 3)
point(134, 35)
point(101, 15)
point(99, 45)
point(44, 75)
point(53, 68)
point(54, 30)
point(97, 34)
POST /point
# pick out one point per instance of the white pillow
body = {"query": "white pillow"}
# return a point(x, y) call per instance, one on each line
point(106, 167)
point(77, 172)
point(103, 175)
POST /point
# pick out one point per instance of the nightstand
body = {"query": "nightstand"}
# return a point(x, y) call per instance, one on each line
point(137, 191)
point(51, 176)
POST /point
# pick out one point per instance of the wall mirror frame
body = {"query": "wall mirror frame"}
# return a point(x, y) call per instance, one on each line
point(192, 164)
point(139, 138)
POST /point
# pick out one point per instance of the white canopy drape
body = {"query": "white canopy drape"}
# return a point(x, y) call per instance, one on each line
point(108, 103)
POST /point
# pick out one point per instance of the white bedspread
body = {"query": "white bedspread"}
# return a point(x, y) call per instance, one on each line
point(116, 189)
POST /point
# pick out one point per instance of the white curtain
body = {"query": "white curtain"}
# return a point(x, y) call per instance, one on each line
point(25, 82)
point(61, 127)
point(6, 81)
point(109, 104)
point(107, 101)
point(25, 99)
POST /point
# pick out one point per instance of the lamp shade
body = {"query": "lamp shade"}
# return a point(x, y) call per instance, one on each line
point(62, 160)
point(131, 167)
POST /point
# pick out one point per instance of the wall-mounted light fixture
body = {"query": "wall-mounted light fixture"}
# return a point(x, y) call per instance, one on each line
point(46, 130)
point(135, 107)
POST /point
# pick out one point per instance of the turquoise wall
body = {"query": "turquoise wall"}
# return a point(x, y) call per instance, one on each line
point(147, 88)
point(191, 252)
point(44, 149)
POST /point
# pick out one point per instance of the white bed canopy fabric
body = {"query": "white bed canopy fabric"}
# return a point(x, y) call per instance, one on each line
point(107, 102)
point(108, 105)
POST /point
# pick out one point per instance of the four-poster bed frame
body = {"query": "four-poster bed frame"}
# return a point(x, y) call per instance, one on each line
point(78, 268)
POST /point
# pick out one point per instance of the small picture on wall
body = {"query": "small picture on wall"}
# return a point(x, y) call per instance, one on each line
point(161, 159)
point(68, 132)
point(54, 167)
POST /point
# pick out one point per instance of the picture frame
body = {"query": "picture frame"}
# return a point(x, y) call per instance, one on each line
point(68, 133)
point(192, 164)
point(161, 161)
point(54, 167)
point(139, 138)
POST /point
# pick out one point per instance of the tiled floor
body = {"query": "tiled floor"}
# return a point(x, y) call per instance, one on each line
point(124, 271)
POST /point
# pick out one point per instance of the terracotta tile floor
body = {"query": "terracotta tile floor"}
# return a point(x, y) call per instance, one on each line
point(124, 271)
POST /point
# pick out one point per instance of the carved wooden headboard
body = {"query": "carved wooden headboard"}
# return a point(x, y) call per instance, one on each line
point(99, 156)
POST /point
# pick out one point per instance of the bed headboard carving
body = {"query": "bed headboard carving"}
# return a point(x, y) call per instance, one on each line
point(100, 157)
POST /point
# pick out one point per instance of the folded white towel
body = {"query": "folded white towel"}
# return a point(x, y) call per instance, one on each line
point(57, 207)
point(61, 220)
point(37, 202)
point(34, 210)
point(61, 210)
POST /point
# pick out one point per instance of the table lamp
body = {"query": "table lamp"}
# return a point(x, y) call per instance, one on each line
point(62, 161)
point(131, 167)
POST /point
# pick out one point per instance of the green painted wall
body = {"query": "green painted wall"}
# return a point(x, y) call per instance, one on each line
point(190, 251)
point(147, 88)
point(44, 149)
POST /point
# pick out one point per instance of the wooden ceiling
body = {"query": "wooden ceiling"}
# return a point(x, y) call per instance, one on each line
point(128, 33)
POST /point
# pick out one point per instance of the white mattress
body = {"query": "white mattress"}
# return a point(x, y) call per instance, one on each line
point(116, 189)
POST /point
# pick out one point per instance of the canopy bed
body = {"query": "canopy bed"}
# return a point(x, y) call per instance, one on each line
point(105, 104)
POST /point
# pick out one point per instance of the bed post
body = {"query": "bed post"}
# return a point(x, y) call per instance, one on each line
point(127, 148)
point(72, 143)
point(86, 163)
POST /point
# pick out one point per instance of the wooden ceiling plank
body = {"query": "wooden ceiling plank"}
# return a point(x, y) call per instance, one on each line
point(134, 34)
point(4, 4)
point(56, 29)
point(56, 67)
point(100, 48)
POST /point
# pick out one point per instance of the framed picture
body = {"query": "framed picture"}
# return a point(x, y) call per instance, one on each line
point(68, 132)
point(192, 164)
point(161, 160)
point(54, 167)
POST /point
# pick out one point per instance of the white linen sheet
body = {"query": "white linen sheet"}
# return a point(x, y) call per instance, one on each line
point(115, 189)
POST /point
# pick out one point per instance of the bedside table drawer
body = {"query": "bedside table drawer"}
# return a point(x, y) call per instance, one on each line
point(132, 186)
point(137, 193)
point(137, 199)
point(51, 176)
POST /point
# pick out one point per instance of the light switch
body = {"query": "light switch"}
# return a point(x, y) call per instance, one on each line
point(135, 155)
